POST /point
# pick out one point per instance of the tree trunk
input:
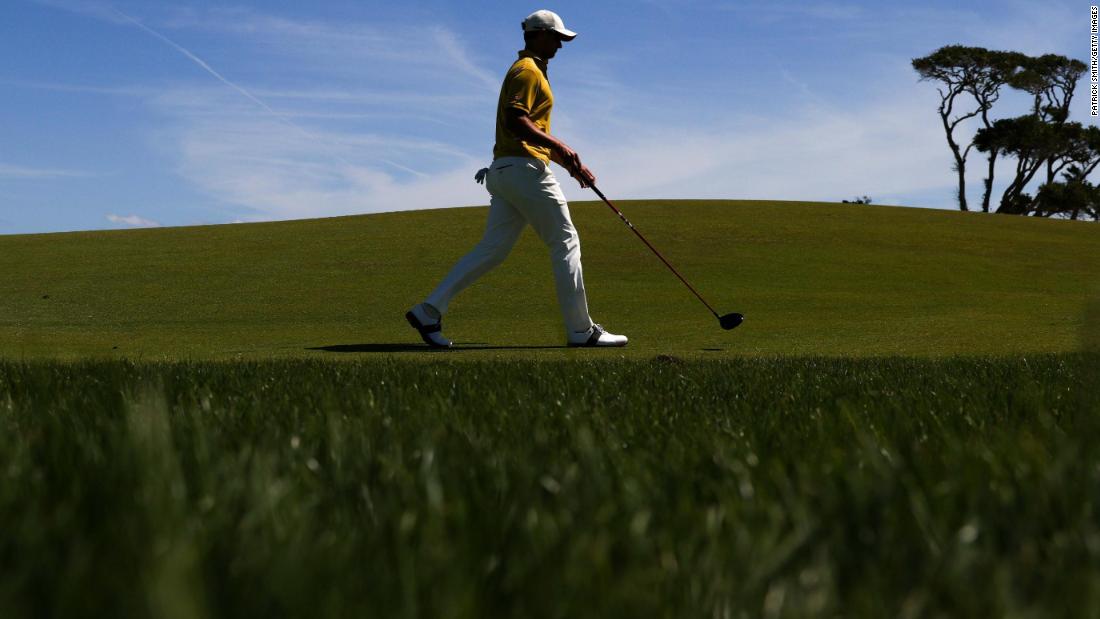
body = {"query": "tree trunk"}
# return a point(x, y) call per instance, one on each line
point(989, 180)
point(960, 163)
point(1010, 200)
point(1006, 206)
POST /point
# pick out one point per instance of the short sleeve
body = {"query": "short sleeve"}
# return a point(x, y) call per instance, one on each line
point(522, 88)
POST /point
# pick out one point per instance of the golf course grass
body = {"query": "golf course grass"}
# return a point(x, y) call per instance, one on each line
point(594, 488)
point(811, 279)
point(236, 420)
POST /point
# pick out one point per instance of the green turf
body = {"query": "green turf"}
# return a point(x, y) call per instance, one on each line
point(811, 278)
point(795, 487)
point(303, 461)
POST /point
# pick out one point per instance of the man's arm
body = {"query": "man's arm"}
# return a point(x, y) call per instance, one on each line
point(520, 124)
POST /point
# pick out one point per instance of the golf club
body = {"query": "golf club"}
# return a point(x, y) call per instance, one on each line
point(728, 321)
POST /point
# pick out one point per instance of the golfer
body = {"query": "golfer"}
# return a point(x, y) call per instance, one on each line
point(525, 191)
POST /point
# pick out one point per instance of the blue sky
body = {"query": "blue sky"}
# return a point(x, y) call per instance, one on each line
point(121, 114)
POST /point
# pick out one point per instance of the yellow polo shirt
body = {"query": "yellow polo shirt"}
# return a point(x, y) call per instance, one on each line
point(525, 88)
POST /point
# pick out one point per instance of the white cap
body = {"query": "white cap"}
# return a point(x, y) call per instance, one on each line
point(547, 20)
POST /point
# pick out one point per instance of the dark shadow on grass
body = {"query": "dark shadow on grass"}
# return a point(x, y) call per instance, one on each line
point(418, 347)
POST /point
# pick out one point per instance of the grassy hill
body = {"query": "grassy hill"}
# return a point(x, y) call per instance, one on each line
point(811, 278)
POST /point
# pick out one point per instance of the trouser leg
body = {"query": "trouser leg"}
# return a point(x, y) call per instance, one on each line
point(535, 192)
point(502, 229)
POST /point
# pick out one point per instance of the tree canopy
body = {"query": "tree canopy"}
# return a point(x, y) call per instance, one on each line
point(971, 79)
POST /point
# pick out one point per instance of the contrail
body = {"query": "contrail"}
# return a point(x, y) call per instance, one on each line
point(282, 118)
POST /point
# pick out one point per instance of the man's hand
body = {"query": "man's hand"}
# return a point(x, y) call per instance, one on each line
point(571, 161)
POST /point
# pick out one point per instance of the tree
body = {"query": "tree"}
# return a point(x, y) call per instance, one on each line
point(1074, 144)
point(1050, 79)
point(1031, 141)
point(979, 72)
point(1042, 138)
point(1000, 68)
point(1076, 197)
point(1090, 149)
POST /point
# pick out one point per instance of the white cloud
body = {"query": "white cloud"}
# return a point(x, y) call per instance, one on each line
point(393, 53)
point(889, 146)
point(123, 91)
point(243, 147)
point(1035, 28)
point(788, 11)
point(456, 51)
point(886, 146)
point(91, 8)
point(255, 163)
point(23, 172)
point(132, 220)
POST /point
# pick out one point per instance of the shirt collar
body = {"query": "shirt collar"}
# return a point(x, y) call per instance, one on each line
point(541, 63)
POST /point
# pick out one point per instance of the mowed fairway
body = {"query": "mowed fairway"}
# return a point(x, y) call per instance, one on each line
point(811, 278)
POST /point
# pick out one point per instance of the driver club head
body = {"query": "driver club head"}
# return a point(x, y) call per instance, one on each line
point(730, 321)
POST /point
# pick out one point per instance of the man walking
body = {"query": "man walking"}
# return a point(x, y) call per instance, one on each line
point(525, 191)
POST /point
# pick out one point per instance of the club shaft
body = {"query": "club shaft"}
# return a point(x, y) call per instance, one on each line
point(671, 268)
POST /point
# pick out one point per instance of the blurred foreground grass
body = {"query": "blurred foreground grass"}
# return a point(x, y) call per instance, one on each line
point(752, 487)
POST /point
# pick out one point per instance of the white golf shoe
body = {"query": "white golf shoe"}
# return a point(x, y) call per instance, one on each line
point(430, 328)
point(596, 336)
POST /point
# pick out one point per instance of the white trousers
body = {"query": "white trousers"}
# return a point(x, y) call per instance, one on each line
point(524, 191)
